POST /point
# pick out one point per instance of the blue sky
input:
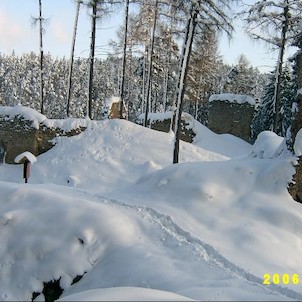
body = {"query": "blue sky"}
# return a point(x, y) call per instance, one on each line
point(17, 33)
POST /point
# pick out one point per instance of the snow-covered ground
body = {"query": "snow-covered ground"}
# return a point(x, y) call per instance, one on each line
point(109, 204)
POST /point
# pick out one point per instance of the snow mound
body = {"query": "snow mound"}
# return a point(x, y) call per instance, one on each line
point(107, 154)
point(224, 144)
point(268, 145)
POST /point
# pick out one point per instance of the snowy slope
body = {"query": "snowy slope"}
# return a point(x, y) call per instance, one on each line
point(107, 155)
point(108, 203)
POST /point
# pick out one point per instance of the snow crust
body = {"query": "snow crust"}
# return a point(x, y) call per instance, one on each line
point(232, 98)
point(109, 204)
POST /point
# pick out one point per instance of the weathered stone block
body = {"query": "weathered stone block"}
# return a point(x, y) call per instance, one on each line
point(19, 134)
point(233, 117)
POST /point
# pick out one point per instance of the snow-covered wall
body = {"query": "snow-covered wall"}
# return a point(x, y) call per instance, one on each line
point(232, 98)
point(161, 121)
point(232, 114)
point(24, 129)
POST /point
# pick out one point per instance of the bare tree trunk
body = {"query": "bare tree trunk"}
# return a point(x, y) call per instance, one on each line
point(185, 58)
point(72, 57)
point(41, 58)
point(91, 58)
point(149, 81)
point(122, 92)
point(144, 79)
point(277, 96)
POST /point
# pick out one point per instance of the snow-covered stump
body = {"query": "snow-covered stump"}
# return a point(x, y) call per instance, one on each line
point(26, 158)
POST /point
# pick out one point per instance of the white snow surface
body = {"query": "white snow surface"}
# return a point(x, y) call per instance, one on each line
point(37, 118)
point(224, 144)
point(268, 145)
point(28, 155)
point(298, 143)
point(109, 204)
point(112, 100)
point(232, 98)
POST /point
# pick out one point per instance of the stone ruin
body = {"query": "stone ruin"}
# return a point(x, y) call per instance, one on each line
point(162, 122)
point(23, 129)
point(231, 113)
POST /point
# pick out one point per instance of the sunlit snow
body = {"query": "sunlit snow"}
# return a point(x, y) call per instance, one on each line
point(109, 205)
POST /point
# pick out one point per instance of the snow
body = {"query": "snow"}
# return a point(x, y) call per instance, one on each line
point(268, 145)
point(125, 294)
point(232, 98)
point(298, 143)
point(66, 125)
point(224, 144)
point(112, 100)
point(109, 204)
point(28, 155)
point(156, 117)
point(23, 112)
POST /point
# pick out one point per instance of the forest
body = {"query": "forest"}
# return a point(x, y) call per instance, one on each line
point(166, 58)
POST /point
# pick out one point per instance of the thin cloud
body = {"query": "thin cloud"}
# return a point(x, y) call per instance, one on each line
point(60, 33)
point(12, 33)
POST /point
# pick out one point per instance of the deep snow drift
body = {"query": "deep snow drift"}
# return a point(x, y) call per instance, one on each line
point(108, 204)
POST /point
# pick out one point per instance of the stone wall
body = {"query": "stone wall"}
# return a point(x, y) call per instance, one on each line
point(163, 124)
point(18, 135)
point(231, 117)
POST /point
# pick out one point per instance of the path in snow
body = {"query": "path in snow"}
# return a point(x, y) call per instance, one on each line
point(200, 249)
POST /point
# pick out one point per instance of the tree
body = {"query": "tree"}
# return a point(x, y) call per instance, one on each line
point(149, 79)
point(241, 79)
point(277, 21)
point(99, 9)
point(122, 92)
point(203, 70)
point(93, 4)
point(41, 20)
point(264, 117)
point(209, 13)
point(72, 57)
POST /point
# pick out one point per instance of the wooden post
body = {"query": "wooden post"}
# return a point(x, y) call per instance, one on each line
point(26, 158)
point(26, 170)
